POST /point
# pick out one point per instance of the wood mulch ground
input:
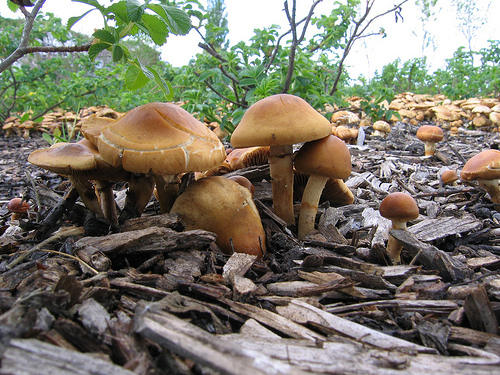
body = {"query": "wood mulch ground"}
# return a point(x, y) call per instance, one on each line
point(154, 299)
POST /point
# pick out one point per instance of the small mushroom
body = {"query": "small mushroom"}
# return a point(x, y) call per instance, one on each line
point(223, 206)
point(323, 159)
point(485, 169)
point(382, 128)
point(280, 121)
point(399, 208)
point(430, 135)
point(449, 177)
point(18, 207)
point(161, 140)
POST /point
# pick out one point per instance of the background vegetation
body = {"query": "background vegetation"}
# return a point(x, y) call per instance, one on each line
point(125, 69)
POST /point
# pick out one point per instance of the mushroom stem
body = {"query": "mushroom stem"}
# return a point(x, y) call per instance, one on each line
point(140, 190)
point(104, 190)
point(429, 148)
point(167, 188)
point(281, 170)
point(394, 247)
point(87, 194)
point(309, 205)
point(493, 189)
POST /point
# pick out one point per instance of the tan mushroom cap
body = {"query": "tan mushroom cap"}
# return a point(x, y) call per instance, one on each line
point(430, 133)
point(484, 166)
point(160, 138)
point(80, 158)
point(327, 157)
point(399, 207)
point(278, 120)
point(92, 127)
point(449, 177)
point(223, 206)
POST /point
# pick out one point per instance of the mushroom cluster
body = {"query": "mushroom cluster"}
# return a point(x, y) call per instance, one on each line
point(151, 144)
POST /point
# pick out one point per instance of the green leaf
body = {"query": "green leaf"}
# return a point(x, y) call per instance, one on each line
point(72, 20)
point(177, 20)
point(104, 35)
point(155, 28)
point(117, 53)
point(97, 48)
point(135, 78)
point(164, 85)
point(135, 10)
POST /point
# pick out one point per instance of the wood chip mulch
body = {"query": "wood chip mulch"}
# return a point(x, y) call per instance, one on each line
point(151, 298)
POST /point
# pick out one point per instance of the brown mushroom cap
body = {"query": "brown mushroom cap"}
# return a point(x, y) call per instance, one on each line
point(485, 165)
point(449, 177)
point(399, 207)
point(277, 120)
point(223, 206)
point(323, 159)
point(430, 133)
point(160, 138)
point(80, 158)
point(18, 206)
point(328, 157)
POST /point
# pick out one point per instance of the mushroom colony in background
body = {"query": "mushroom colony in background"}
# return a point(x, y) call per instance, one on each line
point(160, 149)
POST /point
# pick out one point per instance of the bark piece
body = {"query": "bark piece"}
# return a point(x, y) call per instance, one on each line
point(153, 239)
point(31, 357)
point(192, 342)
point(433, 229)
point(356, 331)
point(479, 312)
point(432, 258)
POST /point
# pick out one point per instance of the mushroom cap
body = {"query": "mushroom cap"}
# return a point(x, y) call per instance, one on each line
point(382, 126)
point(430, 133)
point(280, 120)
point(483, 166)
point(449, 176)
point(327, 157)
point(223, 206)
point(160, 138)
point(92, 127)
point(18, 206)
point(80, 158)
point(399, 206)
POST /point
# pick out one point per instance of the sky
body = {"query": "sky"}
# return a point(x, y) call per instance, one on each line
point(404, 39)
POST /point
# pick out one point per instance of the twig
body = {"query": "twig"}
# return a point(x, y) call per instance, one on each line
point(57, 236)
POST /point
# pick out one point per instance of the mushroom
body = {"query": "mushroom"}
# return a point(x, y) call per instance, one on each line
point(336, 192)
point(399, 208)
point(82, 163)
point(280, 121)
point(382, 128)
point(485, 169)
point(324, 158)
point(243, 181)
point(430, 135)
point(449, 177)
point(223, 206)
point(161, 140)
point(18, 207)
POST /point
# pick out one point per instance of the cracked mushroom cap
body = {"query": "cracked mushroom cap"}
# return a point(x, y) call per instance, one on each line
point(220, 205)
point(279, 120)
point(160, 138)
point(483, 166)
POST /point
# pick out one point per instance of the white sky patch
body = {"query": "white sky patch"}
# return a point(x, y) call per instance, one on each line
point(404, 39)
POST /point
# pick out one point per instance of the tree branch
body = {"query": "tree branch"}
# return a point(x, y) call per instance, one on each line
point(25, 49)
